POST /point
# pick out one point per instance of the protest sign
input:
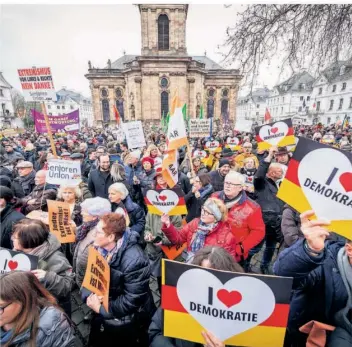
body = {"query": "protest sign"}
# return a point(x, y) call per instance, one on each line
point(41, 215)
point(212, 146)
point(243, 125)
point(199, 127)
point(60, 221)
point(134, 134)
point(37, 84)
point(275, 134)
point(11, 261)
point(199, 153)
point(63, 172)
point(11, 132)
point(173, 251)
point(319, 178)
point(97, 276)
point(169, 201)
point(65, 123)
point(240, 309)
point(233, 143)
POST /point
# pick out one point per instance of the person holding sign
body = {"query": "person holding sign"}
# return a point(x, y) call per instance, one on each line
point(323, 281)
point(131, 304)
point(32, 237)
point(247, 153)
point(29, 315)
point(210, 229)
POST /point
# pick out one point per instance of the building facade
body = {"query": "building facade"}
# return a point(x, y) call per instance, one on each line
point(141, 86)
point(6, 110)
point(69, 101)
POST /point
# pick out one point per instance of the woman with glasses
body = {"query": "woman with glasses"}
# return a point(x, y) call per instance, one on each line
point(201, 191)
point(211, 229)
point(131, 304)
point(29, 315)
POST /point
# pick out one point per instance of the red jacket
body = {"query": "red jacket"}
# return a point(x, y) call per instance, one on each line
point(221, 236)
point(246, 222)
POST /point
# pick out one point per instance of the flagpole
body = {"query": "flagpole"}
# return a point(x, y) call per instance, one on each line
point(53, 148)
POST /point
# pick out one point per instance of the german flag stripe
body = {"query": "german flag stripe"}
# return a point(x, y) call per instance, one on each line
point(181, 201)
point(170, 301)
point(264, 336)
point(282, 293)
point(176, 211)
point(292, 172)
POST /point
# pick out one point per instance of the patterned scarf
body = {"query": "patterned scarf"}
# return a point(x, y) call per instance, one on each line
point(108, 255)
point(202, 232)
point(85, 228)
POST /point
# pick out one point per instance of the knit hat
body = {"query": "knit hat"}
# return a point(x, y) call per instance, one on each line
point(149, 160)
point(226, 153)
point(6, 193)
point(5, 181)
point(223, 162)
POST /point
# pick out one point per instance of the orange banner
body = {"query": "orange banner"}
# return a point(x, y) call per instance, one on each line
point(60, 221)
point(97, 277)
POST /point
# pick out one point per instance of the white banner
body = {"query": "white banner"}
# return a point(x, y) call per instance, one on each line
point(37, 84)
point(243, 125)
point(134, 134)
point(63, 172)
point(199, 127)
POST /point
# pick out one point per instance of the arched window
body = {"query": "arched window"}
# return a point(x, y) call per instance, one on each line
point(225, 109)
point(163, 32)
point(106, 110)
point(104, 93)
point(164, 98)
point(210, 108)
point(119, 106)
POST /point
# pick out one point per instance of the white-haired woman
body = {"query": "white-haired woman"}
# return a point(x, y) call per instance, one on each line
point(119, 198)
point(72, 195)
point(92, 209)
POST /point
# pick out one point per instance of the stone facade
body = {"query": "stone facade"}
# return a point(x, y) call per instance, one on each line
point(136, 83)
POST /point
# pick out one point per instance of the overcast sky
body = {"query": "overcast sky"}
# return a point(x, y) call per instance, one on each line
point(65, 37)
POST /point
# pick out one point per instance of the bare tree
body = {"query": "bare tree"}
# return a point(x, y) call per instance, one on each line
point(18, 101)
point(301, 35)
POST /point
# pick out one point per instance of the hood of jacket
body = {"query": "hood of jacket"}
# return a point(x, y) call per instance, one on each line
point(50, 246)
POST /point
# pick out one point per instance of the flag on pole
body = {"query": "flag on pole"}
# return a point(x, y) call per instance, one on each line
point(345, 123)
point(201, 112)
point(267, 116)
point(211, 127)
point(170, 168)
point(117, 116)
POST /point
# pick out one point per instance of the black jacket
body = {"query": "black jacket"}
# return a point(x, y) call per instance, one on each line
point(20, 190)
point(30, 156)
point(98, 184)
point(184, 183)
point(194, 205)
point(136, 215)
point(217, 180)
point(8, 217)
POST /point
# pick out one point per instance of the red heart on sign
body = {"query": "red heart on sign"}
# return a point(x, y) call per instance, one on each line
point(212, 144)
point(162, 197)
point(274, 130)
point(346, 181)
point(229, 298)
point(13, 265)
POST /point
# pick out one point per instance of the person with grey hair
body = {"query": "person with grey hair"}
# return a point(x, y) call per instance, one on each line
point(134, 167)
point(92, 210)
point(23, 184)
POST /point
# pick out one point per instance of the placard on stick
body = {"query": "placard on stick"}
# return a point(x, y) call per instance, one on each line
point(134, 134)
point(63, 172)
point(14, 261)
point(60, 221)
point(97, 277)
point(199, 127)
point(240, 309)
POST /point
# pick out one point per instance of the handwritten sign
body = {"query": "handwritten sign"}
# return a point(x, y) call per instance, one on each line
point(63, 172)
point(11, 261)
point(199, 127)
point(97, 276)
point(60, 221)
point(134, 134)
point(173, 251)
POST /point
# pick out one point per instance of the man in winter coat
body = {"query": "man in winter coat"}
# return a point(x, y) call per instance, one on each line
point(100, 179)
point(244, 215)
point(24, 184)
point(10, 154)
point(8, 217)
point(322, 273)
point(37, 199)
point(217, 177)
point(134, 167)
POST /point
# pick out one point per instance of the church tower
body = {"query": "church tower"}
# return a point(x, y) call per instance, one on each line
point(163, 29)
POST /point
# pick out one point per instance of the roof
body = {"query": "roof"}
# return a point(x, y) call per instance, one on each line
point(120, 63)
point(209, 64)
point(296, 82)
point(257, 95)
point(3, 82)
point(65, 94)
point(332, 73)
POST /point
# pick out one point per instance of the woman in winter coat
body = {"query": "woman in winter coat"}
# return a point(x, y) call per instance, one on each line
point(31, 236)
point(211, 229)
point(119, 197)
point(290, 226)
point(322, 285)
point(146, 177)
point(208, 257)
point(201, 191)
point(131, 303)
point(29, 314)
point(72, 196)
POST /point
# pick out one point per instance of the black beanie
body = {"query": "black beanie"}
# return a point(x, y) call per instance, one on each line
point(6, 193)
point(223, 162)
point(5, 181)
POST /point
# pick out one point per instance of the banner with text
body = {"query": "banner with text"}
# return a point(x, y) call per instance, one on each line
point(134, 134)
point(14, 261)
point(63, 172)
point(199, 127)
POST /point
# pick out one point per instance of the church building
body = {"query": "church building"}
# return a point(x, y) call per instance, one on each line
point(142, 86)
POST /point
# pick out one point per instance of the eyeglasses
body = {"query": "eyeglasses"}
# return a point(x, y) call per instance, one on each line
point(232, 184)
point(2, 308)
point(206, 213)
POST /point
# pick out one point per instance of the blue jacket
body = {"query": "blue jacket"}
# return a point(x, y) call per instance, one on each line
point(318, 289)
point(136, 214)
point(133, 171)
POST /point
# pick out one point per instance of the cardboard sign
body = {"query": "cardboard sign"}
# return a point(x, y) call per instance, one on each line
point(199, 127)
point(212, 146)
point(37, 84)
point(11, 261)
point(173, 251)
point(275, 134)
point(11, 132)
point(200, 154)
point(168, 201)
point(41, 215)
point(60, 221)
point(319, 178)
point(97, 276)
point(244, 125)
point(134, 134)
point(233, 143)
point(63, 172)
point(240, 309)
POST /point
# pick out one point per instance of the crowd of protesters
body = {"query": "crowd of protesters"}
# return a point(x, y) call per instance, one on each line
point(234, 217)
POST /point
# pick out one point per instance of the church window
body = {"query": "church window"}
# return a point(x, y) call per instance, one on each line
point(104, 93)
point(119, 106)
point(164, 104)
point(210, 108)
point(106, 110)
point(225, 93)
point(211, 92)
point(164, 82)
point(118, 93)
point(225, 109)
point(163, 32)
